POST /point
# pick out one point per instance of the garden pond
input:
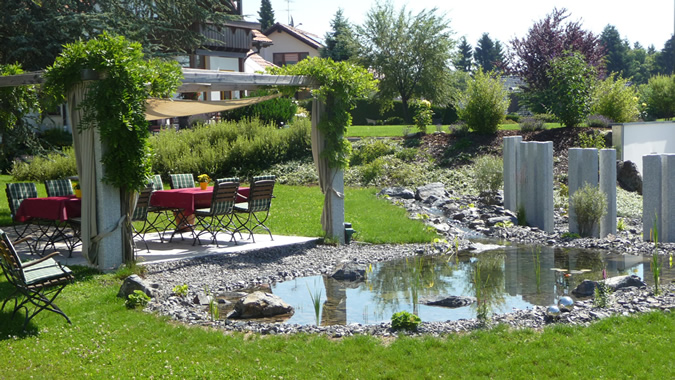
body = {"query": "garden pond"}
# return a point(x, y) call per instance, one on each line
point(502, 280)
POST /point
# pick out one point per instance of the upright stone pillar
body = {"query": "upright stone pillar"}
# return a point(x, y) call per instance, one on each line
point(535, 183)
point(582, 169)
point(108, 205)
point(651, 195)
point(608, 186)
point(510, 159)
point(668, 191)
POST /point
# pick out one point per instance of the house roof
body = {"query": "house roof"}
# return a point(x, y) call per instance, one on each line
point(260, 61)
point(308, 38)
point(258, 36)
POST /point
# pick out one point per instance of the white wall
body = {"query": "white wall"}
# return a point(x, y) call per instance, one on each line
point(285, 43)
point(635, 140)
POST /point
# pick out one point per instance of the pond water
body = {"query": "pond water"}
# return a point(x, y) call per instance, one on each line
point(508, 278)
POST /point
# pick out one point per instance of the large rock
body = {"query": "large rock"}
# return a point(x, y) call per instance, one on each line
point(585, 289)
point(349, 271)
point(134, 282)
point(260, 305)
point(628, 176)
point(620, 282)
point(397, 192)
point(448, 301)
point(431, 193)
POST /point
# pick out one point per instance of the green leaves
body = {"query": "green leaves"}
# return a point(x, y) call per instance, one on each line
point(115, 103)
point(570, 92)
point(484, 103)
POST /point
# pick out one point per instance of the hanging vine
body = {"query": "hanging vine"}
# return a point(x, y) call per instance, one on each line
point(115, 103)
point(341, 84)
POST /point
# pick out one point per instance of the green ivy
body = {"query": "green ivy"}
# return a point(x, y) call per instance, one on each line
point(115, 103)
point(341, 84)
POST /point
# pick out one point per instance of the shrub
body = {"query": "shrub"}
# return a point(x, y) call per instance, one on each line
point(367, 150)
point(529, 123)
point(243, 148)
point(279, 111)
point(483, 105)
point(404, 320)
point(56, 138)
point(373, 170)
point(571, 87)
point(659, 94)
point(592, 139)
point(423, 114)
point(598, 121)
point(394, 120)
point(616, 99)
point(590, 205)
point(513, 117)
point(489, 175)
point(459, 129)
point(137, 298)
point(54, 165)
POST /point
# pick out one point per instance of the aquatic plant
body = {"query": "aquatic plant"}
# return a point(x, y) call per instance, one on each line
point(316, 301)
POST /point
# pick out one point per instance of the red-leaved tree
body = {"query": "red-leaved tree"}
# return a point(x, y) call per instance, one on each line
point(530, 57)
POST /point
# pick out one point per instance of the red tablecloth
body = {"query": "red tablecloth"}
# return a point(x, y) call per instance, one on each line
point(51, 208)
point(189, 199)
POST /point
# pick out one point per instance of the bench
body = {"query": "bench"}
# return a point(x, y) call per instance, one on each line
point(36, 283)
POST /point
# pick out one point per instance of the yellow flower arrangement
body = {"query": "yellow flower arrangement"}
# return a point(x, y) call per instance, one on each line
point(203, 178)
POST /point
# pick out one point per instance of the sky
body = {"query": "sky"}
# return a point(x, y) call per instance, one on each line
point(650, 22)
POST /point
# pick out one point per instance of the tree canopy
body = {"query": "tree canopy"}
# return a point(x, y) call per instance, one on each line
point(266, 14)
point(488, 54)
point(340, 42)
point(409, 54)
point(548, 39)
point(33, 32)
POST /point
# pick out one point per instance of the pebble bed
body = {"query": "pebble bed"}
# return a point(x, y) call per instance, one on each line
point(226, 273)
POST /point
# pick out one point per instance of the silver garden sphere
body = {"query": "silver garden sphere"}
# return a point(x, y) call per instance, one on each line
point(566, 303)
point(553, 311)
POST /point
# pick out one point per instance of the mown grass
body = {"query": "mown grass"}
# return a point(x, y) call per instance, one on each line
point(107, 340)
point(296, 210)
point(397, 130)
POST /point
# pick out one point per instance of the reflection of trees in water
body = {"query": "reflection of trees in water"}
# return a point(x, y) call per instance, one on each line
point(412, 278)
point(488, 270)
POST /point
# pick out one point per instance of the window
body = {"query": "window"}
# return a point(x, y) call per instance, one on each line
point(281, 59)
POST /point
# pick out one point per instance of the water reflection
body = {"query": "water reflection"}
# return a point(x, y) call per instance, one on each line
point(509, 278)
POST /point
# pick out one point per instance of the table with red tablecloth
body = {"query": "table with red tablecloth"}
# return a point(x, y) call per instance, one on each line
point(55, 211)
point(49, 208)
point(190, 199)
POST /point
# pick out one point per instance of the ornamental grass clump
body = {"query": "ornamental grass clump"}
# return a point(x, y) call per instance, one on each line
point(590, 205)
point(489, 175)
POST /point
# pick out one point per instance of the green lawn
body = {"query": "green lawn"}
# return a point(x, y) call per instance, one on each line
point(106, 340)
point(397, 130)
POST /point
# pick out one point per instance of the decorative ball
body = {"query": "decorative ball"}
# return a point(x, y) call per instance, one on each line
point(553, 311)
point(566, 303)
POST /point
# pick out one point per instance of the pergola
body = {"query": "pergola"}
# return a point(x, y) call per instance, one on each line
point(101, 203)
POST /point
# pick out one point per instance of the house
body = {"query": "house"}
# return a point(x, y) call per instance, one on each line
point(290, 45)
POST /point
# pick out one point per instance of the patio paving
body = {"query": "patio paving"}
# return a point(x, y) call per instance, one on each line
point(176, 250)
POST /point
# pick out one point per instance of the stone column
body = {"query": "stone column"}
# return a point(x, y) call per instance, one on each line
point(608, 186)
point(535, 183)
point(651, 194)
point(668, 198)
point(582, 169)
point(510, 159)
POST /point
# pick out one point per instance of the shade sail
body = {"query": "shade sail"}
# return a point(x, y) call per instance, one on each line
point(156, 109)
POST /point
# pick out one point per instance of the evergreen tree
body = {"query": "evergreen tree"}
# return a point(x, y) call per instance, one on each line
point(666, 59)
point(340, 43)
point(266, 14)
point(488, 54)
point(616, 50)
point(464, 59)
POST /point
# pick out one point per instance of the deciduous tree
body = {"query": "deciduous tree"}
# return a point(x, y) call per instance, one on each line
point(409, 54)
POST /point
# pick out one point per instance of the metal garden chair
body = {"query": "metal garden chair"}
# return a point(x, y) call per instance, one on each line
point(16, 193)
point(218, 218)
point(182, 181)
point(36, 283)
point(63, 188)
point(257, 206)
point(140, 214)
point(59, 187)
point(157, 185)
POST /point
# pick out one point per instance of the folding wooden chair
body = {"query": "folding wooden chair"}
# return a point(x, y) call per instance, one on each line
point(218, 217)
point(258, 203)
point(36, 283)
